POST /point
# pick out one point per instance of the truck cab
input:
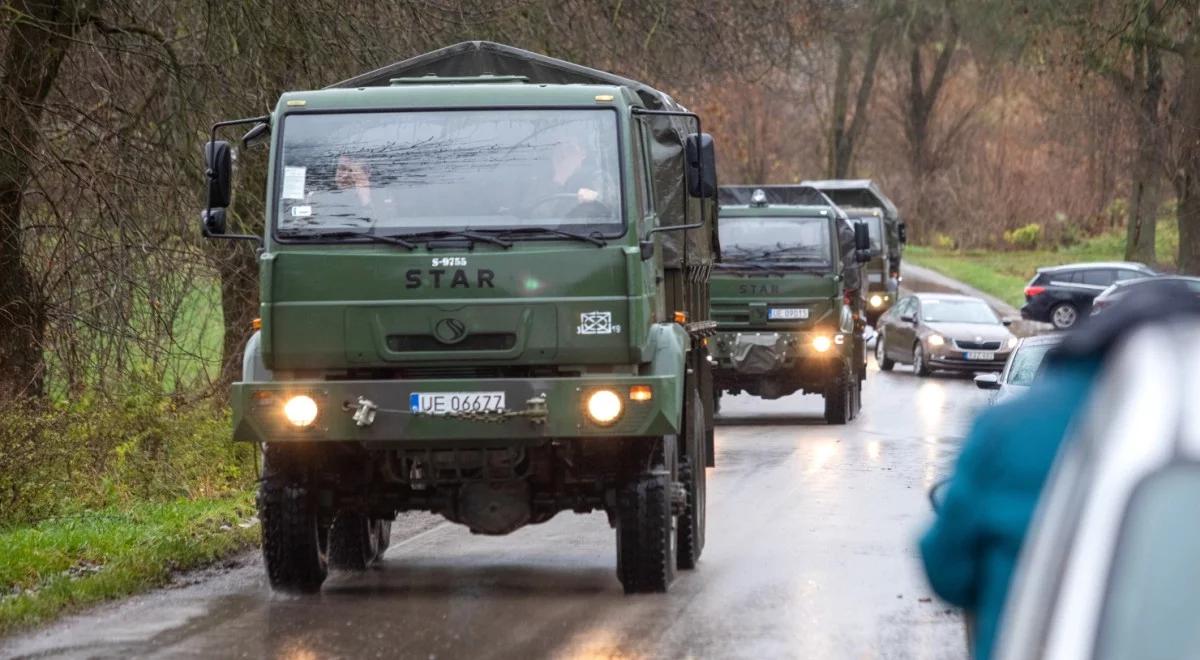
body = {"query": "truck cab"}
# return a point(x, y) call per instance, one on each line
point(881, 286)
point(482, 295)
point(786, 297)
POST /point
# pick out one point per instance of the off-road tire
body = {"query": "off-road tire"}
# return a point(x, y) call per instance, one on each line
point(690, 530)
point(1064, 316)
point(885, 363)
point(385, 536)
point(920, 364)
point(646, 536)
point(353, 542)
point(838, 398)
point(294, 546)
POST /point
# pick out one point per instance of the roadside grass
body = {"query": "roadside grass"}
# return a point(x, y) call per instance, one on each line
point(62, 564)
point(1004, 274)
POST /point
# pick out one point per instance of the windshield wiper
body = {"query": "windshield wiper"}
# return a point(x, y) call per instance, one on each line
point(733, 265)
point(590, 238)
point(375, 238)
point(453, 233)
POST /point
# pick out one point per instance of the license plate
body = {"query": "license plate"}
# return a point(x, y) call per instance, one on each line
point(444, 403)
point(981, 355)
point(787, 313)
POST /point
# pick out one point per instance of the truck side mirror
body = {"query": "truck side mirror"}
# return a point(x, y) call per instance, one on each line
point(862, 236)
point(218, 168)
point(213, 221)
point(701, 166)
point(903, 229)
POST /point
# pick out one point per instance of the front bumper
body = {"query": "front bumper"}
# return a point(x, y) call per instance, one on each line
point(954, 360)
point(258, 416)
point(786, 350)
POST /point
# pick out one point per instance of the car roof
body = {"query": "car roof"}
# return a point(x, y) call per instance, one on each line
point(1130, 265)
point(947, 296)
point(1151, 280)
point(1043, 340)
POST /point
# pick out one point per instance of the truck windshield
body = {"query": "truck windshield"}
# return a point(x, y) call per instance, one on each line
point(783, 240)
point(396, 173)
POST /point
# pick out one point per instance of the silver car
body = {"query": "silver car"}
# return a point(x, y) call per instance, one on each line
point(1022, 367)
point(1110, 568)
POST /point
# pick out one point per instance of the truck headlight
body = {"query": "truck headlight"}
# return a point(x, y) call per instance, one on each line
point(936, 340)
point(876, 300)
point(300, 411)
point(821, 343)
point(604, 407)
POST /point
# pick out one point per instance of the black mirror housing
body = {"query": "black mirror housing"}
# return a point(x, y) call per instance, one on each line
point(909, 318)
point(218, 166)
point(862, 256)
point(256, 135)
point(213, 222)
point(903, 229)
point(700, 151)
point(862, 236)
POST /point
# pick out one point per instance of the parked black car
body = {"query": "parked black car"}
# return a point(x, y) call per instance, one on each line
point(1061, 295)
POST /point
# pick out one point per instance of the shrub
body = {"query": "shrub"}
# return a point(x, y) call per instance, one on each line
point(943, 241)
point(93, 451)
point(1024, 238)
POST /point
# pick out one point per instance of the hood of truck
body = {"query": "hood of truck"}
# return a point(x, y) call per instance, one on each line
point(350, 306)
point(743, 300)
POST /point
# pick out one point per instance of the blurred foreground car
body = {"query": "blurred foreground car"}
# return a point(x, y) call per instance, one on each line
point(934, 331)
point(1186, 285)
point(1022, 367)
point(1061, 295)
point(1109, 569)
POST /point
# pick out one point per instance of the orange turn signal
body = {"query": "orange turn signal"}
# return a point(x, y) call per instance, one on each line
point(641, 393)
point(681, 317)
point(256, 324)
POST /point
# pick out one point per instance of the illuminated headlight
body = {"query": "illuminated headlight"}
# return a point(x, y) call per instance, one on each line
point(936, 340)
point(300, 411)
point(604, 407)
point(876, 300)
point(1012, 342)
point(821, 343)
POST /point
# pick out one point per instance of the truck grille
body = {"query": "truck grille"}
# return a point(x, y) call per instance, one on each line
point(498, 341)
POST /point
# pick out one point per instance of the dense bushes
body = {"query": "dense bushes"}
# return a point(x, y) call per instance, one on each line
point(94, 452)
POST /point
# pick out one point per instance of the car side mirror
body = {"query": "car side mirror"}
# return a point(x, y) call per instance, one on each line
point(909, 318)
point(988, 381)
point(700, 152)
point(903, 230)
point(218, 169)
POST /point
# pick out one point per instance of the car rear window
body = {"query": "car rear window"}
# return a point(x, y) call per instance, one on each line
point(1154, 585)
point(1098, 277)
point(1067, 276)
point(1126, 274)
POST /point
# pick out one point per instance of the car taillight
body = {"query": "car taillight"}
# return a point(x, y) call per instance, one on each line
point(1031, 291)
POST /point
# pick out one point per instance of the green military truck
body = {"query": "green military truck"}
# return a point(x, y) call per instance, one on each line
point(881, 283)
point(484, 294)
point(864, 201)
point(787, 298)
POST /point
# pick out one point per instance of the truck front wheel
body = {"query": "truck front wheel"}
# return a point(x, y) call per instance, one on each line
point(690, 541)
point(646, 533)
point(839, 397)
point(355, 541)
point(294, 542)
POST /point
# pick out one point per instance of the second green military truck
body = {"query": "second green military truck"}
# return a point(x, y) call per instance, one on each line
point(787, 298)
point(864, 201)
point(484, 293)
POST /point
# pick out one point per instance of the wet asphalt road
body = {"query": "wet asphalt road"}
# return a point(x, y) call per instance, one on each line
point(811, 554)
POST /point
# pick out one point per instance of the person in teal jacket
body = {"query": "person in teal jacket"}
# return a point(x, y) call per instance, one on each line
point(972, 548)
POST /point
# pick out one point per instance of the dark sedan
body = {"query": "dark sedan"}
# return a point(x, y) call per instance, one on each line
point(1114, 293)
point(1062, 295)
point(933, 331)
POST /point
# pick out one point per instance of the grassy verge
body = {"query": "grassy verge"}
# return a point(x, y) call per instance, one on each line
point(64, 563)
point(1004, 274)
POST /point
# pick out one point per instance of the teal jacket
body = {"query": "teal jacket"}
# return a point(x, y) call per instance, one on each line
point(971, 550)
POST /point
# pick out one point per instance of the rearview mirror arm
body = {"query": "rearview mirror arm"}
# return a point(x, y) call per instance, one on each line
point(210, 174)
